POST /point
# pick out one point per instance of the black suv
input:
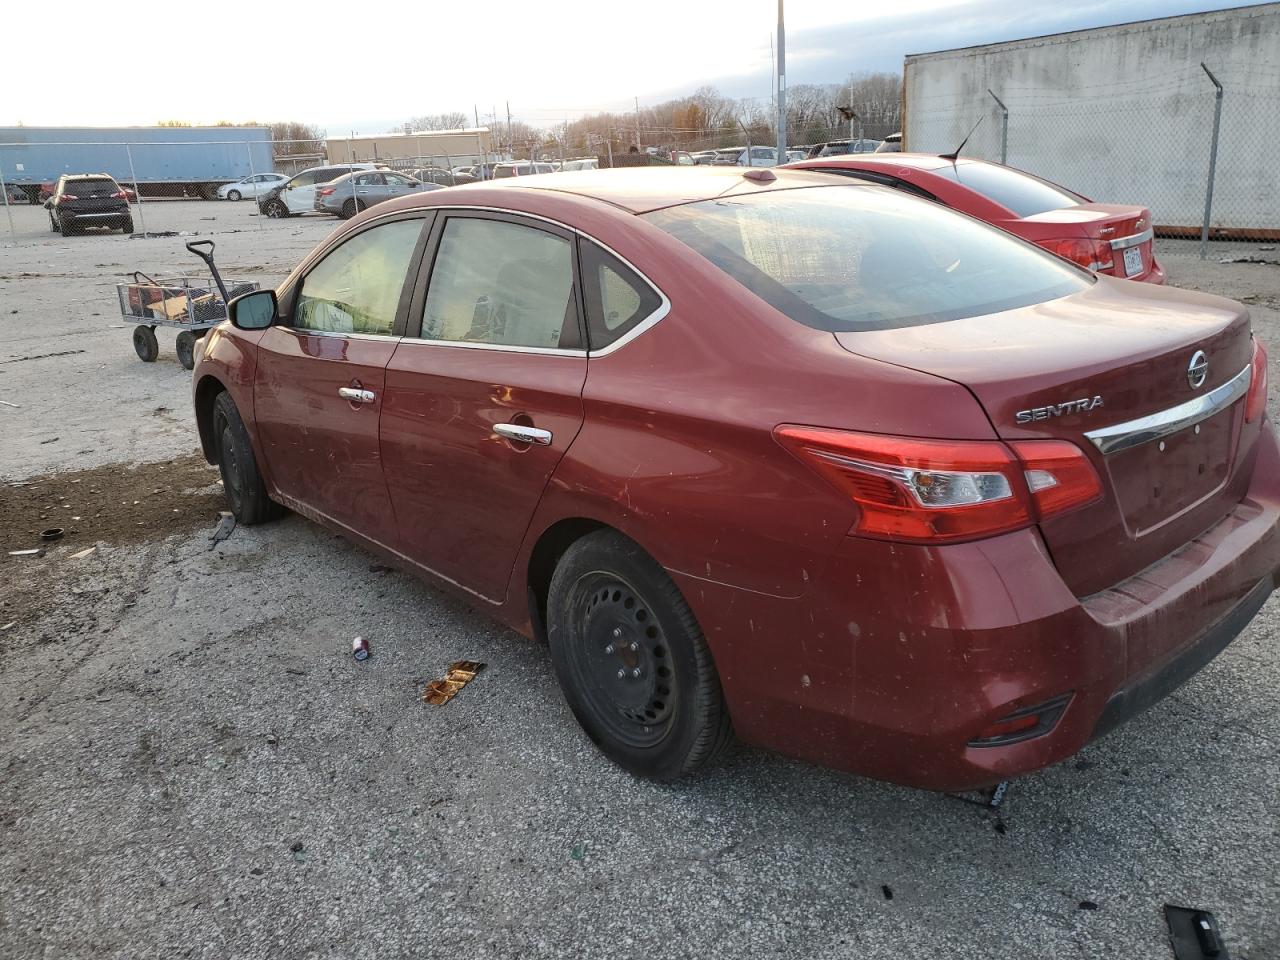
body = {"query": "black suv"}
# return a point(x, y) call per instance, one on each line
point(88, 200)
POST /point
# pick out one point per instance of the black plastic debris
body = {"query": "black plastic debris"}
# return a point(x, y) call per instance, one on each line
point(1194, 934)
point(887, 891)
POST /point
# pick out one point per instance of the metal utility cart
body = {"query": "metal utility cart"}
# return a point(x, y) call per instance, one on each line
point(187, 304)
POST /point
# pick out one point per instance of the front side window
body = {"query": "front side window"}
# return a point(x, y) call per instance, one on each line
point(503, 284)
point(847, 258)
point(356, 287)
point(369, 180)
point(1014, 190)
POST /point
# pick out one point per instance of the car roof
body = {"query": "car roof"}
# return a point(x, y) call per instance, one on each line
point(918, 161)
point(642, 189)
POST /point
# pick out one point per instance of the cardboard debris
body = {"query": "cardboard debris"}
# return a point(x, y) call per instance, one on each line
point(460, 674)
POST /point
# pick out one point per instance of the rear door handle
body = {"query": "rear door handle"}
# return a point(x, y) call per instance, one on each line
point(522, 434)
point(355, 395)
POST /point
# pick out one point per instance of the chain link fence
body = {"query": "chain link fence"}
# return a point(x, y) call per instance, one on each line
point(1193, 147)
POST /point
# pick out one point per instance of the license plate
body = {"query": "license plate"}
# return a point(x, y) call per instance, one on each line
point(1133, 261)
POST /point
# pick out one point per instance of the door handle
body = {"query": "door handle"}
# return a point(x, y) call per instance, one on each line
point(355, 395)
point(522, 434)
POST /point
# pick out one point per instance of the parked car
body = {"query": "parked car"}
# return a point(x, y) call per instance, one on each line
point(15, 194)
point(348, 195)
point(892, 144)
point(253, 186)
point(794, 155)
point(681, 158)
point(83, 200)
point(1115, 239)
point(436, 175)
point(919, 500)
point(521, 168)
point(582, 163)
point(298, 194)
point(472, 173)
point(704, 158)
point(838, 148)
point(759, 157)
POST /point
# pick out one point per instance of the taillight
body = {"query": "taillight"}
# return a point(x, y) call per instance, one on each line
point(938, 491)
point(121, 195)
point(1255, 401)
point(325, 191)
point(1058, 474)
point(67, 196)
point(1090, 254)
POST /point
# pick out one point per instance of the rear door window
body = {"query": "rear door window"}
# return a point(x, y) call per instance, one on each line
point(847, 258)
point(502, 284)
point(1014, 190)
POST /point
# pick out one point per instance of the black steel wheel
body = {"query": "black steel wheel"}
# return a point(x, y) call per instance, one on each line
point(145, 345)
point(632, 661)
point(186, 348)
point(241, 480)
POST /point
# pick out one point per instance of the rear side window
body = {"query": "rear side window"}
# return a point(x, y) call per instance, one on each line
point(847, 258)
point(502, 284)
point(356, 288)
point(617, 299)
point(1014, 190)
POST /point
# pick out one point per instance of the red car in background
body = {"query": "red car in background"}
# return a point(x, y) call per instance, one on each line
point(1108, 238)
point(866, 481)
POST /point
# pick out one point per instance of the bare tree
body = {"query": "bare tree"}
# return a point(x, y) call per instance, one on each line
point(454, 120)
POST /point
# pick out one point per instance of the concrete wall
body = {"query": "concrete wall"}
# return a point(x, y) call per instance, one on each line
point(459, 146)
point(1122, 114)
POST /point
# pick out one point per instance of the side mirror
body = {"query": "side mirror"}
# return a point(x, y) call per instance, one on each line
point(253, 311)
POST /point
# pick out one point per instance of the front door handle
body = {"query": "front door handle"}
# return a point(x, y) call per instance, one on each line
point(356, 395)
point(522, 434)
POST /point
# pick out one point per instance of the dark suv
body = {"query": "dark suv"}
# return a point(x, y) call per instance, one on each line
point(88, 200)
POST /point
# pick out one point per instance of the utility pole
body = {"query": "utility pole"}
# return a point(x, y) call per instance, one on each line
point(782, 88)
point(511, 145)
point(637, 123)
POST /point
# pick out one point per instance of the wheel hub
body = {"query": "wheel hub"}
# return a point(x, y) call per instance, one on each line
point(627, 658)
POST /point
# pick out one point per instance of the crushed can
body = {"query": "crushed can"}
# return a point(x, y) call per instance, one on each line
point(360, 648)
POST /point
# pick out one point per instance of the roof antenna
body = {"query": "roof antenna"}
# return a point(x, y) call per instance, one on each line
point(956, 153)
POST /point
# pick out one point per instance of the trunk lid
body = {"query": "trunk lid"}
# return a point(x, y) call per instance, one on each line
point(1121, 227)
point(1109, 355)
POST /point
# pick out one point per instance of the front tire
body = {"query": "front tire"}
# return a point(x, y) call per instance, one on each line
point(241, 480)
point(186, 349)
point(233, 194)
point(632, 661)
point(275, 209)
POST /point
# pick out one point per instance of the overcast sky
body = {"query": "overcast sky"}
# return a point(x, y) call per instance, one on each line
point(243, 60)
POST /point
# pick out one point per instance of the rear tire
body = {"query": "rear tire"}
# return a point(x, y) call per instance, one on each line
point(632, 661)
point(186, 349)
point(233, 194)
point(241, 480)
point(127, 227)
point(145, 345)
point(67, 227)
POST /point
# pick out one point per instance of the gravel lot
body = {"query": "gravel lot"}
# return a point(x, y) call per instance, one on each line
point(193, 765)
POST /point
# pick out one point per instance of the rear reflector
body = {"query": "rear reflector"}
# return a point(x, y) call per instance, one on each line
point(940, 491)
point(1090, 254)
point(1022, 724)
point(1255, 401)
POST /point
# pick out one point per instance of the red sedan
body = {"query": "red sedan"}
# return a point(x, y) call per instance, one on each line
point(864, 480)
point(1114, 239)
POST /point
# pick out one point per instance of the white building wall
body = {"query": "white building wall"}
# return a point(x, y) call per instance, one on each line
point(1122, 114)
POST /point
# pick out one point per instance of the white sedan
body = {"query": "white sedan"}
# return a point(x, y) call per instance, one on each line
point(251, 186)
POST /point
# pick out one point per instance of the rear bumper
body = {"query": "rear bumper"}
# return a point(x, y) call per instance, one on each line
point(1155, 274)
point(900, 655)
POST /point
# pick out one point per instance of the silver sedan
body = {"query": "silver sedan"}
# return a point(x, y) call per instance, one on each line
point(349, 194)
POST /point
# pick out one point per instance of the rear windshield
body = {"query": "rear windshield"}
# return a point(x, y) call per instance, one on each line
point(1014, 190)
point(848, 258)
point(91, 185)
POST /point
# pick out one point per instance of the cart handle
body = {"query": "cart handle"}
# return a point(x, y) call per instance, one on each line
point(208, 259)
point(138, 273)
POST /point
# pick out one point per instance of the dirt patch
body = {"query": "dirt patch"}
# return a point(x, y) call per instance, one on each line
point(113, 505)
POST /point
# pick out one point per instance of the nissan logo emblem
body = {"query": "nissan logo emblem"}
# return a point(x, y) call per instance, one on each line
point(1198, 370)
